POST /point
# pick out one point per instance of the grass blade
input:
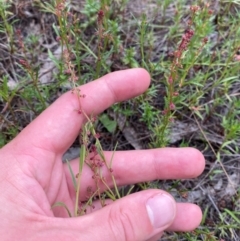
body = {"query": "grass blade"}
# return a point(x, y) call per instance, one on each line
point(61, 204)
point(72, 175)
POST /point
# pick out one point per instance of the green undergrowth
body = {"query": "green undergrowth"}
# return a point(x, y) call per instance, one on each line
point(190, 48)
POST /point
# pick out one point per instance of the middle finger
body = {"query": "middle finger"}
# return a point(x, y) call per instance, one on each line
point(131, 167)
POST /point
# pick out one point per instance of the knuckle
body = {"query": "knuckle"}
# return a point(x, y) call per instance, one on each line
point(122, 224)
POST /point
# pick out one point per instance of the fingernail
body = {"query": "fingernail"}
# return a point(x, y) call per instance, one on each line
point(161, 210)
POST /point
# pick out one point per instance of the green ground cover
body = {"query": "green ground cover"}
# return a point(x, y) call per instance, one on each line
point(190, 48)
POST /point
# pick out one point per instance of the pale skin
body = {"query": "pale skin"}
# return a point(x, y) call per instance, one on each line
point(33, 177)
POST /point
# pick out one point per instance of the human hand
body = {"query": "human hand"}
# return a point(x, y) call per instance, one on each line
point(33, 177)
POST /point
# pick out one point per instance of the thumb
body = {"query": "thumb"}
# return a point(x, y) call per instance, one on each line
point(136, 217)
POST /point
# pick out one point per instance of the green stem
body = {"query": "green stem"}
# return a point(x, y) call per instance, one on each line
point(81, 163)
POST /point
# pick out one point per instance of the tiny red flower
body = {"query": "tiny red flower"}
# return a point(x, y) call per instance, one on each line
point(172, 106)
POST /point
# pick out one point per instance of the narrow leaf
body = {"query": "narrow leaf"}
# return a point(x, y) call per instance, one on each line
point(232, 215)
point(82, 158)
point(72, 175)
point(61, 204)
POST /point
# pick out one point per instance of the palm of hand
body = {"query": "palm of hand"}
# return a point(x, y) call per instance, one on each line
point(37, 189)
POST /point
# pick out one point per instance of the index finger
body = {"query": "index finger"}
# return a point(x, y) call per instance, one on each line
point(58, 126)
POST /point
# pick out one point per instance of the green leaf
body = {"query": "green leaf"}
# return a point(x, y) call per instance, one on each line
point(56, 29)
point(2, 140)
point(110, 125)
point(232, 215)
point(53, 58)
point(72, 175)
point(82, 158)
